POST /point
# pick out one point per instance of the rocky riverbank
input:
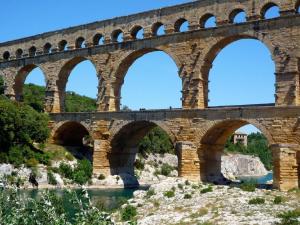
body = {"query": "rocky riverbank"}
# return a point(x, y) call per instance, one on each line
point(178, 202)
point(148, 170)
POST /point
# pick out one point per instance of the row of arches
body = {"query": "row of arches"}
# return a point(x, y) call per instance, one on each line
point(125, 141)
point(158, 68)
point(270, 10)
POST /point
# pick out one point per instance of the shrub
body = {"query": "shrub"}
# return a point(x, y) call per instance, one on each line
point(32, 162)
point(49, 209)
point(206, 190)
point(180, 186)
point(248, 186)
point(101, 177)
point(166, 169)
point(290, 217)
point(278, 200)
point(256, 201)
point(150, 193)
point(83, 172)
point(20, 124)
point(3, 157)
point(66, 170)
point(169, 194)
point(51, 179)
point(139, 164)
point(15, 156)
point(187, 183)
point(187, 196)
point(69, 157)
point(128, 213)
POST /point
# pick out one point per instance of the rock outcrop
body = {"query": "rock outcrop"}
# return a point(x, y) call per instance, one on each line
point(238, 165)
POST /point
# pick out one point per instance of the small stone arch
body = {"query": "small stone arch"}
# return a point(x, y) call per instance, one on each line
point(80, 43)
point(97, 38)
point(20, 79)
point(234, 13)
point(266, 7)
point(155, 28)
point(69, 133)
point(62, 45)
point(115, 35)
point(134, 31)
point(6, 55)
point(205, 18)
point(47, 48)
point(179, 23)
point(32, 51)
point(19, 53)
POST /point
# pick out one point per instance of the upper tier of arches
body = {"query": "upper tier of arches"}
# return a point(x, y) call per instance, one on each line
point(141, 29)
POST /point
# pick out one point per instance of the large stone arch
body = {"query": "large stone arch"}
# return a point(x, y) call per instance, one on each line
point(124, 141)
point(64, 74)
point(217, 46)
point(69, 133)
point(212, 144)
point(20, 78)
point(126, 62)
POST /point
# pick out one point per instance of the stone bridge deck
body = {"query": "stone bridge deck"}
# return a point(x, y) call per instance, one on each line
point(211, 113)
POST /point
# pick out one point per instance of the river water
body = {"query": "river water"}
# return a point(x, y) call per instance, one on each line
point(259, 180)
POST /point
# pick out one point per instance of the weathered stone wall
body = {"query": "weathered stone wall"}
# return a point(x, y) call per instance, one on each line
point(199, 137)
point(192, 51)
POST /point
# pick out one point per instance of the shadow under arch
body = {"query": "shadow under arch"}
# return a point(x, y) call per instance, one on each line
point(127, 61)
point(75, 137)
point(124, 147)
point(212, 145)
point(21, 77)
point(213, 52)
point(63, 77)
point(69, 133)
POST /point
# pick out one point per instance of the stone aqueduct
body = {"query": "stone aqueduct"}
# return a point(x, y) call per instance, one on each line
point(198, 132)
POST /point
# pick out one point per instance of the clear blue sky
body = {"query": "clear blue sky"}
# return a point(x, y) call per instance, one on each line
point(243, 72)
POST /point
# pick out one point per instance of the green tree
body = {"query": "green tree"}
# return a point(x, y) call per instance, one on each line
point(257, 145)
point(21, 125)
point(156, 141)
point(1, 86)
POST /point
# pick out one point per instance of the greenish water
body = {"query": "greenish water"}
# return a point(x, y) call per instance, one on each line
point(105, 199)
point(259, 180)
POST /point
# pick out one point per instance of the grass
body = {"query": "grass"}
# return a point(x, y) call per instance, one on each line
point(256, 201)
point(169, 194)
point(206, 190)
point(248, 186)
point(150, 193)
point(289, 217)
point(200, 212)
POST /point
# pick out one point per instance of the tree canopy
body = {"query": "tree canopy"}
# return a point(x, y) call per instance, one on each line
point(257, 145)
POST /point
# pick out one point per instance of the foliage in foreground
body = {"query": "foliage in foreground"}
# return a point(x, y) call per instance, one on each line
point(49, 209)
point(290, 217)
point(257, 145)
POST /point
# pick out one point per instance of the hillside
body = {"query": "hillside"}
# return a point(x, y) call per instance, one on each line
point(34, 96)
